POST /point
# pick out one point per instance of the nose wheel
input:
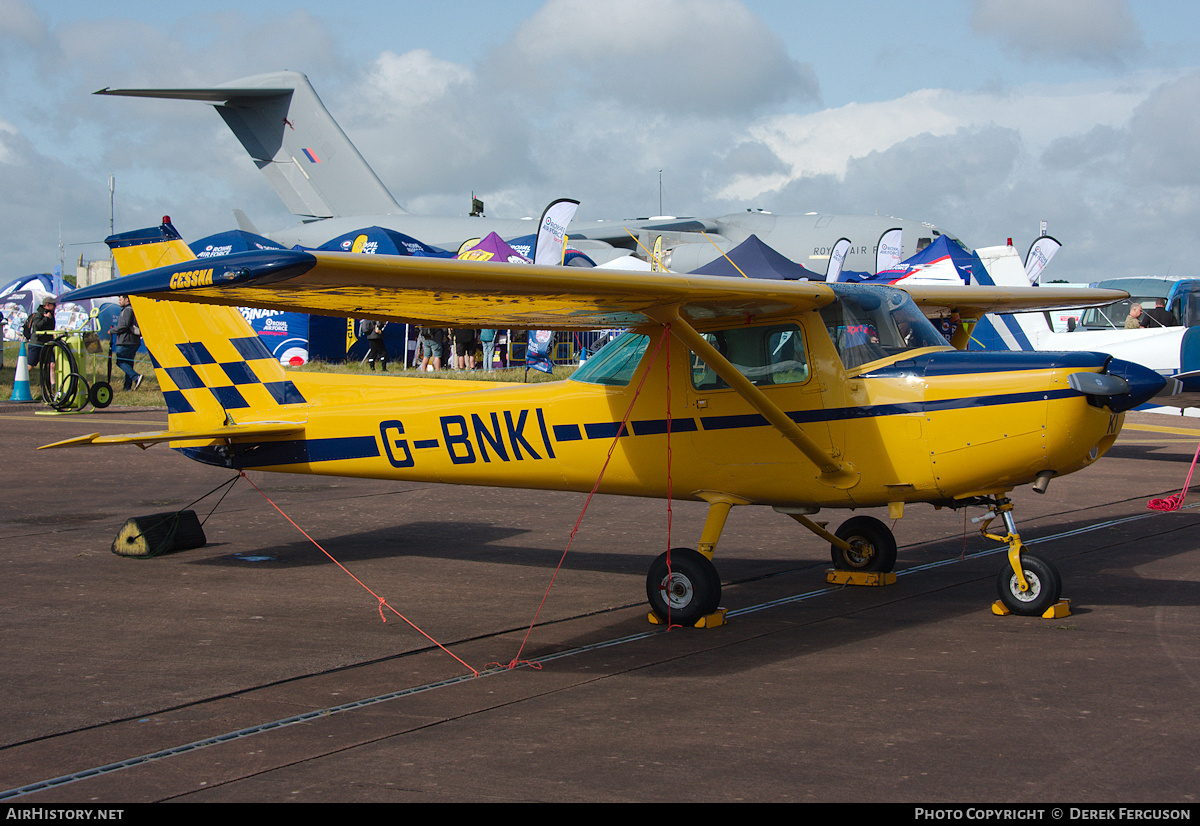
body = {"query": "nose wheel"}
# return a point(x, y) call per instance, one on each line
point(1028, 585)
point(1042, 591)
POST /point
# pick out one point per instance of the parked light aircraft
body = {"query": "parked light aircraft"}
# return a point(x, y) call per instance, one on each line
point(1172, 352)
point(323, 179)
point(795, 395)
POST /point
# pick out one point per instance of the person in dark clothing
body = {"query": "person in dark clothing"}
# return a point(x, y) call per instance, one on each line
point(464, 348)
point(373, 330)
point(127, 337)
point(39, 329)
point(1160, 316)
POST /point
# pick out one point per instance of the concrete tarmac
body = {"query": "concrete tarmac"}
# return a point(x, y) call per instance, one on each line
point(257, 669)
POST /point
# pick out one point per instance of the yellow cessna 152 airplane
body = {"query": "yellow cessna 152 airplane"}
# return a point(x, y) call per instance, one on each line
point(796, 395)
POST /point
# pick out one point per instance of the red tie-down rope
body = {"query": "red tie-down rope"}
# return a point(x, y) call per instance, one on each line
point(383, 603)
point(517, 661)
point(1174, 503)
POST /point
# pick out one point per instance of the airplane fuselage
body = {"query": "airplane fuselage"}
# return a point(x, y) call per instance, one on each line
point(931, 425)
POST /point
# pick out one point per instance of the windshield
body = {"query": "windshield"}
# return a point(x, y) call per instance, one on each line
point(1113, 316)
point(1185, 303)
point(869, 322)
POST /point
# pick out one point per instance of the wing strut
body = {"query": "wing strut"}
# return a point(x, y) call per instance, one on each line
point(841, 475)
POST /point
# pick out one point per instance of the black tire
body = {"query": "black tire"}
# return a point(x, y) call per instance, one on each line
point(875, 546)
point(1045, 586)
point(690, 591)
point(101, 395)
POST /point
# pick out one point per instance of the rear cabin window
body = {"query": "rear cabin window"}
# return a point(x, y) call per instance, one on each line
point(764, 355)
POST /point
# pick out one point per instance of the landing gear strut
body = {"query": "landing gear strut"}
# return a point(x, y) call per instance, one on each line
point(1028, 585)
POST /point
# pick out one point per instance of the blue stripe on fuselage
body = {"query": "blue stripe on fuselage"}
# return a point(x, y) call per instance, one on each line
point(942, 363)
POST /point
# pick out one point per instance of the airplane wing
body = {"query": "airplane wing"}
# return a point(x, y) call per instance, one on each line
point(974, 301)
point(454, 293)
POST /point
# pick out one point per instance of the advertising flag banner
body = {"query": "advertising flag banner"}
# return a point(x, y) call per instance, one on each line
point(539, 349)
point(1039, 255)
point(552, 231)
point(836, 258)
point(887, 254)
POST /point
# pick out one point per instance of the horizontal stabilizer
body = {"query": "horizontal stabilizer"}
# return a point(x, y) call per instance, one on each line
point(296, 143)
point(144, 440)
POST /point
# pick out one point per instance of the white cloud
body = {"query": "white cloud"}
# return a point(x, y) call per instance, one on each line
point(710, 56)
point(19, 21)
point(1163, 147)
point(415, 78)
point(826, 142)
point(1093, 31)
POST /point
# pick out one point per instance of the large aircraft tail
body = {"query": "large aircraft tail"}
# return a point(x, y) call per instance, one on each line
point(1011, 331)
point(213, 369)
point(312, 165)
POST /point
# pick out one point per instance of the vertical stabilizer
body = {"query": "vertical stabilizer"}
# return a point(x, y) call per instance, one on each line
point(286, 129)
point(211, 366)
point(1014, 331)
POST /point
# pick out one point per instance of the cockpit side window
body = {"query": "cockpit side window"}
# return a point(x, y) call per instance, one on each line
point(765, 355)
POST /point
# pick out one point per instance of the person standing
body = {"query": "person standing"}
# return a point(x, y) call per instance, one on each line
point(431, 347)
point(127, 337)
point(39, 329)
point(488, 339)
point(1159, 316)
point(464, 348)
point(373, 331)
point(1133, 321)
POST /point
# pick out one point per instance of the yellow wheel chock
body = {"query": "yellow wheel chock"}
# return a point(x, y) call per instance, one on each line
point(869, 578)
point(713, 620)
point(1060, 609)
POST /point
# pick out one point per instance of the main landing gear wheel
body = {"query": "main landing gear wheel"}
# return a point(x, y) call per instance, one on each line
point(689, 591)
point(1045, 587)
point(101, 395)
point(873, 542)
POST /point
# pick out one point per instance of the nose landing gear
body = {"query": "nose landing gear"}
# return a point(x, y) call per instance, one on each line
point(1028, 585)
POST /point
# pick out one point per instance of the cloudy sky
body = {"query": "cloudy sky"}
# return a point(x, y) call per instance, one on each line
point(985, 117)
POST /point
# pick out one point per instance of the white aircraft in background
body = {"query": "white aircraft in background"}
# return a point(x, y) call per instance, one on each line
point(325, 182)
point(1172, 352)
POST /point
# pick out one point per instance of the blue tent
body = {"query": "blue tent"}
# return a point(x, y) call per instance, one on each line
point(380, 241)
point(227, 243)
point(757, 260)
